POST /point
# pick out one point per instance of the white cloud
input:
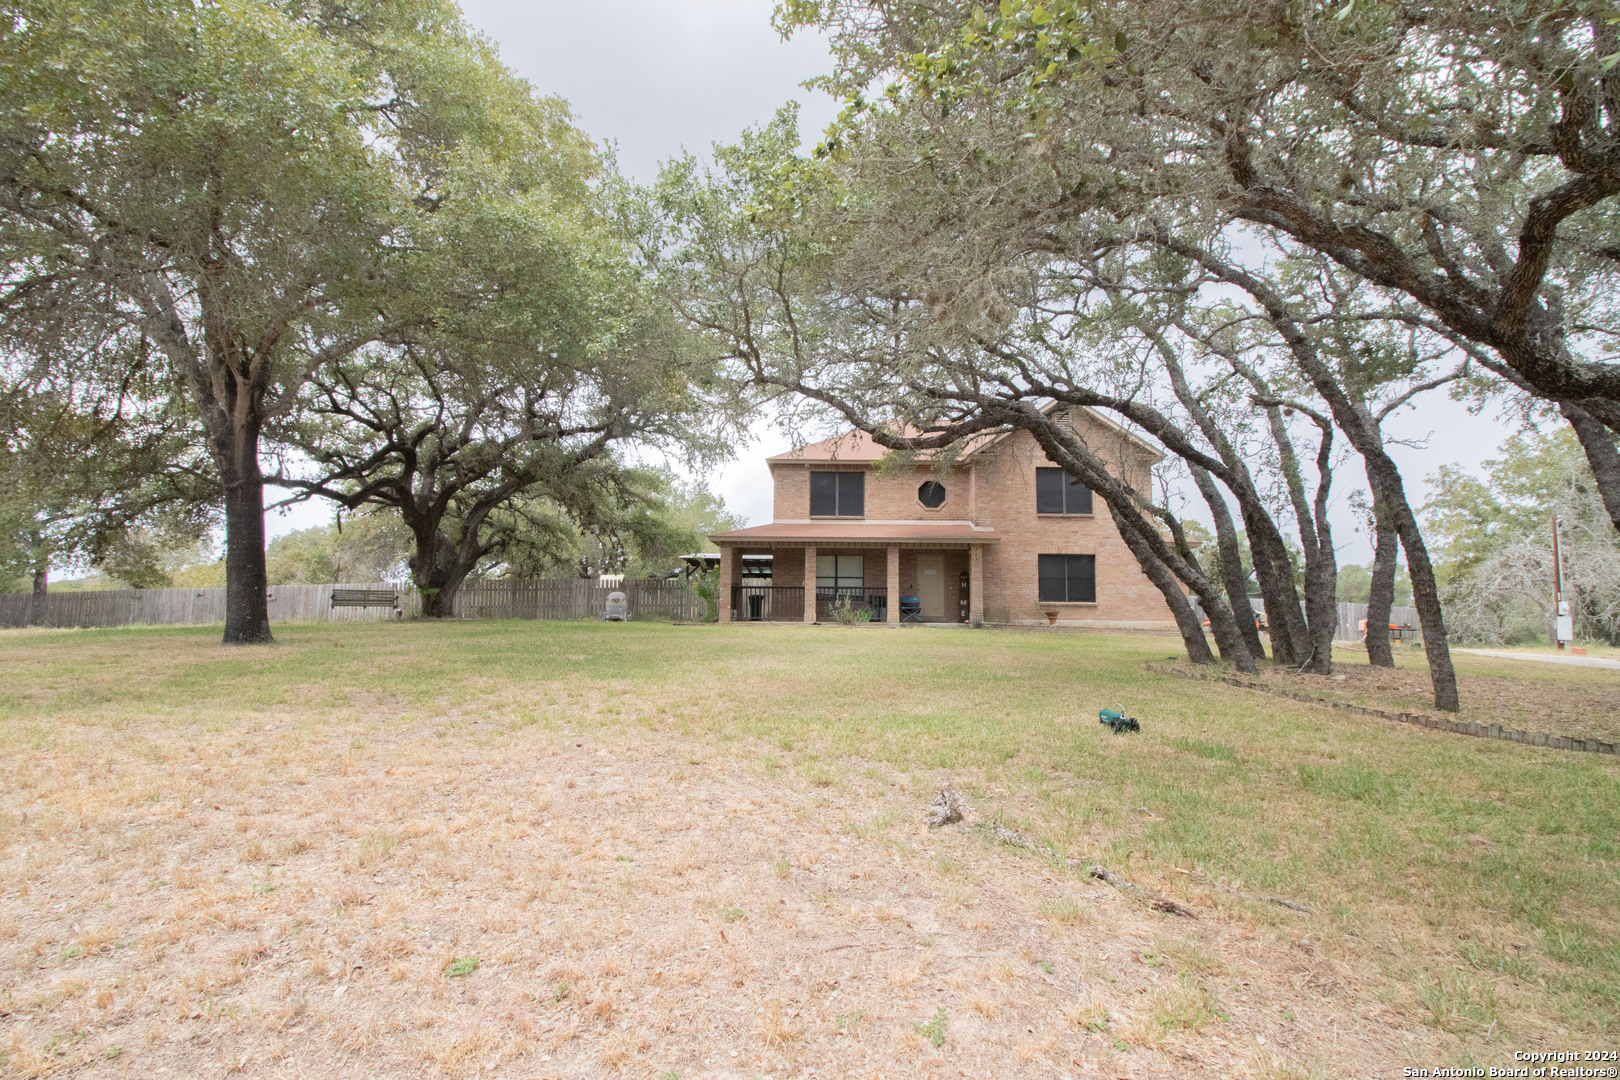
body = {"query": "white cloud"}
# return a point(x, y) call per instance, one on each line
point(660, 76)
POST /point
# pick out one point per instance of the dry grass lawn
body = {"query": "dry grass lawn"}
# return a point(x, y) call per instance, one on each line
point(1580, 702)
point(575, 850)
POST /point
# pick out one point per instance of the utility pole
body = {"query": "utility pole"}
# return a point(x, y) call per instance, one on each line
point(1563, 625)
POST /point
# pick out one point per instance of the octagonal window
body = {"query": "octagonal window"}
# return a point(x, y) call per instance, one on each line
point(932, 494)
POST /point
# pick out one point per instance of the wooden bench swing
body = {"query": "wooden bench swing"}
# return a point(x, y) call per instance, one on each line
point(363, 598)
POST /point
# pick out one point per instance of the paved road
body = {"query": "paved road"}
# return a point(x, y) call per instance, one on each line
point(1545, 658)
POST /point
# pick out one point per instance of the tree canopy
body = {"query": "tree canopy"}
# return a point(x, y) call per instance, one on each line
point(268, 192)
point(1239, 227)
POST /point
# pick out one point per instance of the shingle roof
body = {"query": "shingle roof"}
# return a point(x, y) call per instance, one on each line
point(867, 531)
point(852, 446)
point(857, 447)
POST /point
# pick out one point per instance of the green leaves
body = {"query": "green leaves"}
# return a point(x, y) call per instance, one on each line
point(461, 967)
point(934, 1029)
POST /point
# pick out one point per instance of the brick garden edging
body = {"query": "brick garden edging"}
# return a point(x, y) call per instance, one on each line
point(1456, 727)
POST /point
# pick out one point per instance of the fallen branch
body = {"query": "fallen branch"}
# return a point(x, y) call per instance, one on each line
point(1014, 838)
point(1164, 903)
point(1203, 879)
point(1280, 902)
point(1154, 900)
point(947, 808)
point(1102, 873)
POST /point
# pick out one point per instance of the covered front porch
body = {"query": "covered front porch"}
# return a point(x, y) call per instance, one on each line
point(885, 580)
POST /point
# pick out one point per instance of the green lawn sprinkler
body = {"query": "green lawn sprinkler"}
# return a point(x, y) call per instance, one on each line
point(1117, 721)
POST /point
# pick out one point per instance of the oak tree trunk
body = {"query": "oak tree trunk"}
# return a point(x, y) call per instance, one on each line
point(1425, 588)
point(1598, 443)
point(1392, 493)
point(1313, 635)
point(227, 385)
point(1187, 621)
point(1364, 436)
point(1232, 576)
point(247, 603)
point(1321, 587)
point(1381, 597)
point(36, 601)
point(439, 567)
point(438, 593)
point(433, 571)
point(1275, 576)
point(1322, 611)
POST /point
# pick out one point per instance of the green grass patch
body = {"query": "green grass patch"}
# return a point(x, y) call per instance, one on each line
point(934, 1029)
point(461, 966)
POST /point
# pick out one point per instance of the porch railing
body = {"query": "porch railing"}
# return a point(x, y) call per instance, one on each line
point(872, 598)
point(767, 603)
point(785, 603)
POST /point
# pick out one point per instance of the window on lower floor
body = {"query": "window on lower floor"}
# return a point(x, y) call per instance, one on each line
point(840, 572)
point(1068, 579)
point(1056, 492)
point(837, 494)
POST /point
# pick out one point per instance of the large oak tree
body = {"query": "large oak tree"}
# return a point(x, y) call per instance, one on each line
point(235, 183)
point(1463, 158)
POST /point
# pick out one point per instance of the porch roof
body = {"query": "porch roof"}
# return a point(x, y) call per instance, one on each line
point(869, 532)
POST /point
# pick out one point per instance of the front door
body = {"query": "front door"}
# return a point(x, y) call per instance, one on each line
point(931, 585)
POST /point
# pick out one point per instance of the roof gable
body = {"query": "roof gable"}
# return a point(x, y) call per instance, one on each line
point(856, 447)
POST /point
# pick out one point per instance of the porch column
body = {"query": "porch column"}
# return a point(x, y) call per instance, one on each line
point(976, 585)
point(894, 585)
point(809, 583)
point(723, 590)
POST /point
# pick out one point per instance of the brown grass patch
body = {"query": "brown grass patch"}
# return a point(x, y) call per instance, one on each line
point(268, 878)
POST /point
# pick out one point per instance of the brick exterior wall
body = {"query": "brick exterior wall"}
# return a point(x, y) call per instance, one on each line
point(1006, 501)
point(994, 487)
point(888, 498)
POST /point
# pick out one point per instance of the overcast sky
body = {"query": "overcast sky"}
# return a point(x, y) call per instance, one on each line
point(656, 77)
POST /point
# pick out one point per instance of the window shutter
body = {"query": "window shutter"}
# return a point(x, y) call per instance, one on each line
point(823, 494)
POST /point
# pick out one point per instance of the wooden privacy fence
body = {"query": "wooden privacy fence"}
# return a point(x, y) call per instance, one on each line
point(179, 607)
point(501, 598)
point(574, 598)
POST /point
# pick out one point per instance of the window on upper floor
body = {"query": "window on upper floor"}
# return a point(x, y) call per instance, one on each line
point(931, 494)
point(1056, 492)
point(1067, 579)
point(837, 494)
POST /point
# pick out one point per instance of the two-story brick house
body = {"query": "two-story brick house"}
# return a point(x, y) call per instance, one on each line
point(1001, 534)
